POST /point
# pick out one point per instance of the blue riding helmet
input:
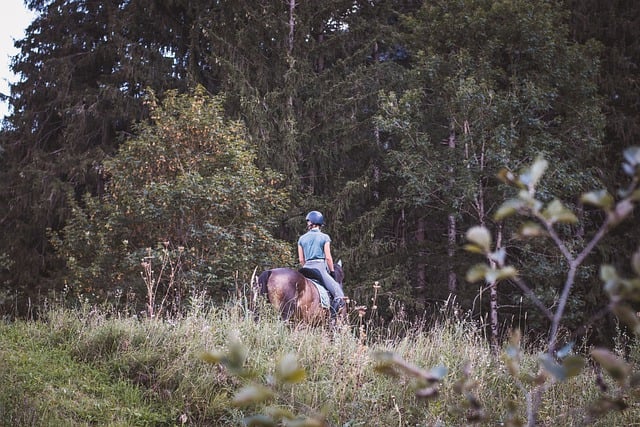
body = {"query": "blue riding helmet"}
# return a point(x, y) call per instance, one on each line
point(315, 217)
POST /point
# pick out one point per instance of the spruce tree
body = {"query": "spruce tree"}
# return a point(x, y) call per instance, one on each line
point(84, 67)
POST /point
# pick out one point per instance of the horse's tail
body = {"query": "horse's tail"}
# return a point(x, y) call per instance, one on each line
point(263, 278)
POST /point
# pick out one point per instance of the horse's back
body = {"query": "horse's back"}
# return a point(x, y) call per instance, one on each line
point(291, 292)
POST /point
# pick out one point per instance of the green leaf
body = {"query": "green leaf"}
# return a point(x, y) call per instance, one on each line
point(621, 211)
point(305, 422)
point(556, 212)
point(507, 272)
point(608, 272)
point(531, 202)
point(632, 156)
point(630, 170)
point(531, 176)
point(481, 237)
point(627, 316)
point(259, 420)
point(509, 208)
point(495, 275)
point(573, 365)
point(509, 178)
point(556, 370)
point(499, 256)
point(512, 352)
point(531, 229)
point(605, 404)
point(601, 199)
point(609, 276)
point(630, 289)
point(385, 363)
point(476, 273)
point(252, 395)
point(512, 360)
point(527, 378)
point(288, 370)
point(438, 373)
point(211, 357)
point(279, 412)
point(236, 357)
point(565, 350)
point(616, 367)
point(475, 249)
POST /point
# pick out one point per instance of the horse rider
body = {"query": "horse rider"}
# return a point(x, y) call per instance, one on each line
point(314, 251)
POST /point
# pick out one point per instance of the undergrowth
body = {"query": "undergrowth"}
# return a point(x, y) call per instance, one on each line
point(87, 367)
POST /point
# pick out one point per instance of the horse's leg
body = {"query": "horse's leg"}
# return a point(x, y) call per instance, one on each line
point(309, 303)
point(288, 308)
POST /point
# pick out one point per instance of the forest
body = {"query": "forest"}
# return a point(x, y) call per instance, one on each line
point(180, 144)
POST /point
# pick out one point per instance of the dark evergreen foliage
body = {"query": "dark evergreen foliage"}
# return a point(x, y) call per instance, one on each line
point(390, 116)
point(84, 67)
point(616, 26)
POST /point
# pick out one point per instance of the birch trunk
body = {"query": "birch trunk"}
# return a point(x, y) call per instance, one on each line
point(452, 281)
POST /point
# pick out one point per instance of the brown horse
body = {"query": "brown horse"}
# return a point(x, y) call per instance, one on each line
point(296, 296)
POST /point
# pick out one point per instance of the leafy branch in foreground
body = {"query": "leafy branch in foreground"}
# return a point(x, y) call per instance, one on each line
point(559, 364)
point(555, 364)
point(287, 372)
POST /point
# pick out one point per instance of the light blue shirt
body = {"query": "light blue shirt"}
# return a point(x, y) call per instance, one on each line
point(312, 243)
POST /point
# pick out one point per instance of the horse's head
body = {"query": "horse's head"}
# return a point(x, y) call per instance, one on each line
point(337, 268)
point(339, 276)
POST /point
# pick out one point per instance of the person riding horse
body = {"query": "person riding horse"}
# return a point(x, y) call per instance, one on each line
point(314, 252)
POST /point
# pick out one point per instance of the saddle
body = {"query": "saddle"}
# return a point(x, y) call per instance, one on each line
point(316, 277)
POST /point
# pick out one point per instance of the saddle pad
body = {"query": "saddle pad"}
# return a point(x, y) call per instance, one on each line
point(325, 299)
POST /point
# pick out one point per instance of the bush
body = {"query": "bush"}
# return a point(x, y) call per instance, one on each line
point(184, 205)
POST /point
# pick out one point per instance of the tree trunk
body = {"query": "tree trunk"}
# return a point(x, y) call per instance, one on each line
point(452, 281)
point(421, 270)
point(493, 288)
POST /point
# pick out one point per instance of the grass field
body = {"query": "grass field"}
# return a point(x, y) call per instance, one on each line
point(85, 367)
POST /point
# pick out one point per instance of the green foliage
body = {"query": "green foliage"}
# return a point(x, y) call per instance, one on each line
point(557, 364)
point(489, 83)
point(184, 204)
point(504, 80)
point(83, 68)
point(287, 372)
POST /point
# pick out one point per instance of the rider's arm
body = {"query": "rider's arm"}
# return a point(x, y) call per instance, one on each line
point(301, 255)
point(327, 256)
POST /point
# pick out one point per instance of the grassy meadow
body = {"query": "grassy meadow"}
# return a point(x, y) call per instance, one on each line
point(90, 367)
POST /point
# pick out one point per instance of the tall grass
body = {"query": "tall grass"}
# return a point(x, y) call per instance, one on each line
point(91, 367)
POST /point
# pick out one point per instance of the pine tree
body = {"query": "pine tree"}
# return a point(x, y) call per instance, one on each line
point(85, 66)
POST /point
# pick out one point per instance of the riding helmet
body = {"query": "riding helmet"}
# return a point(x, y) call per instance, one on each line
point(315, 217)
